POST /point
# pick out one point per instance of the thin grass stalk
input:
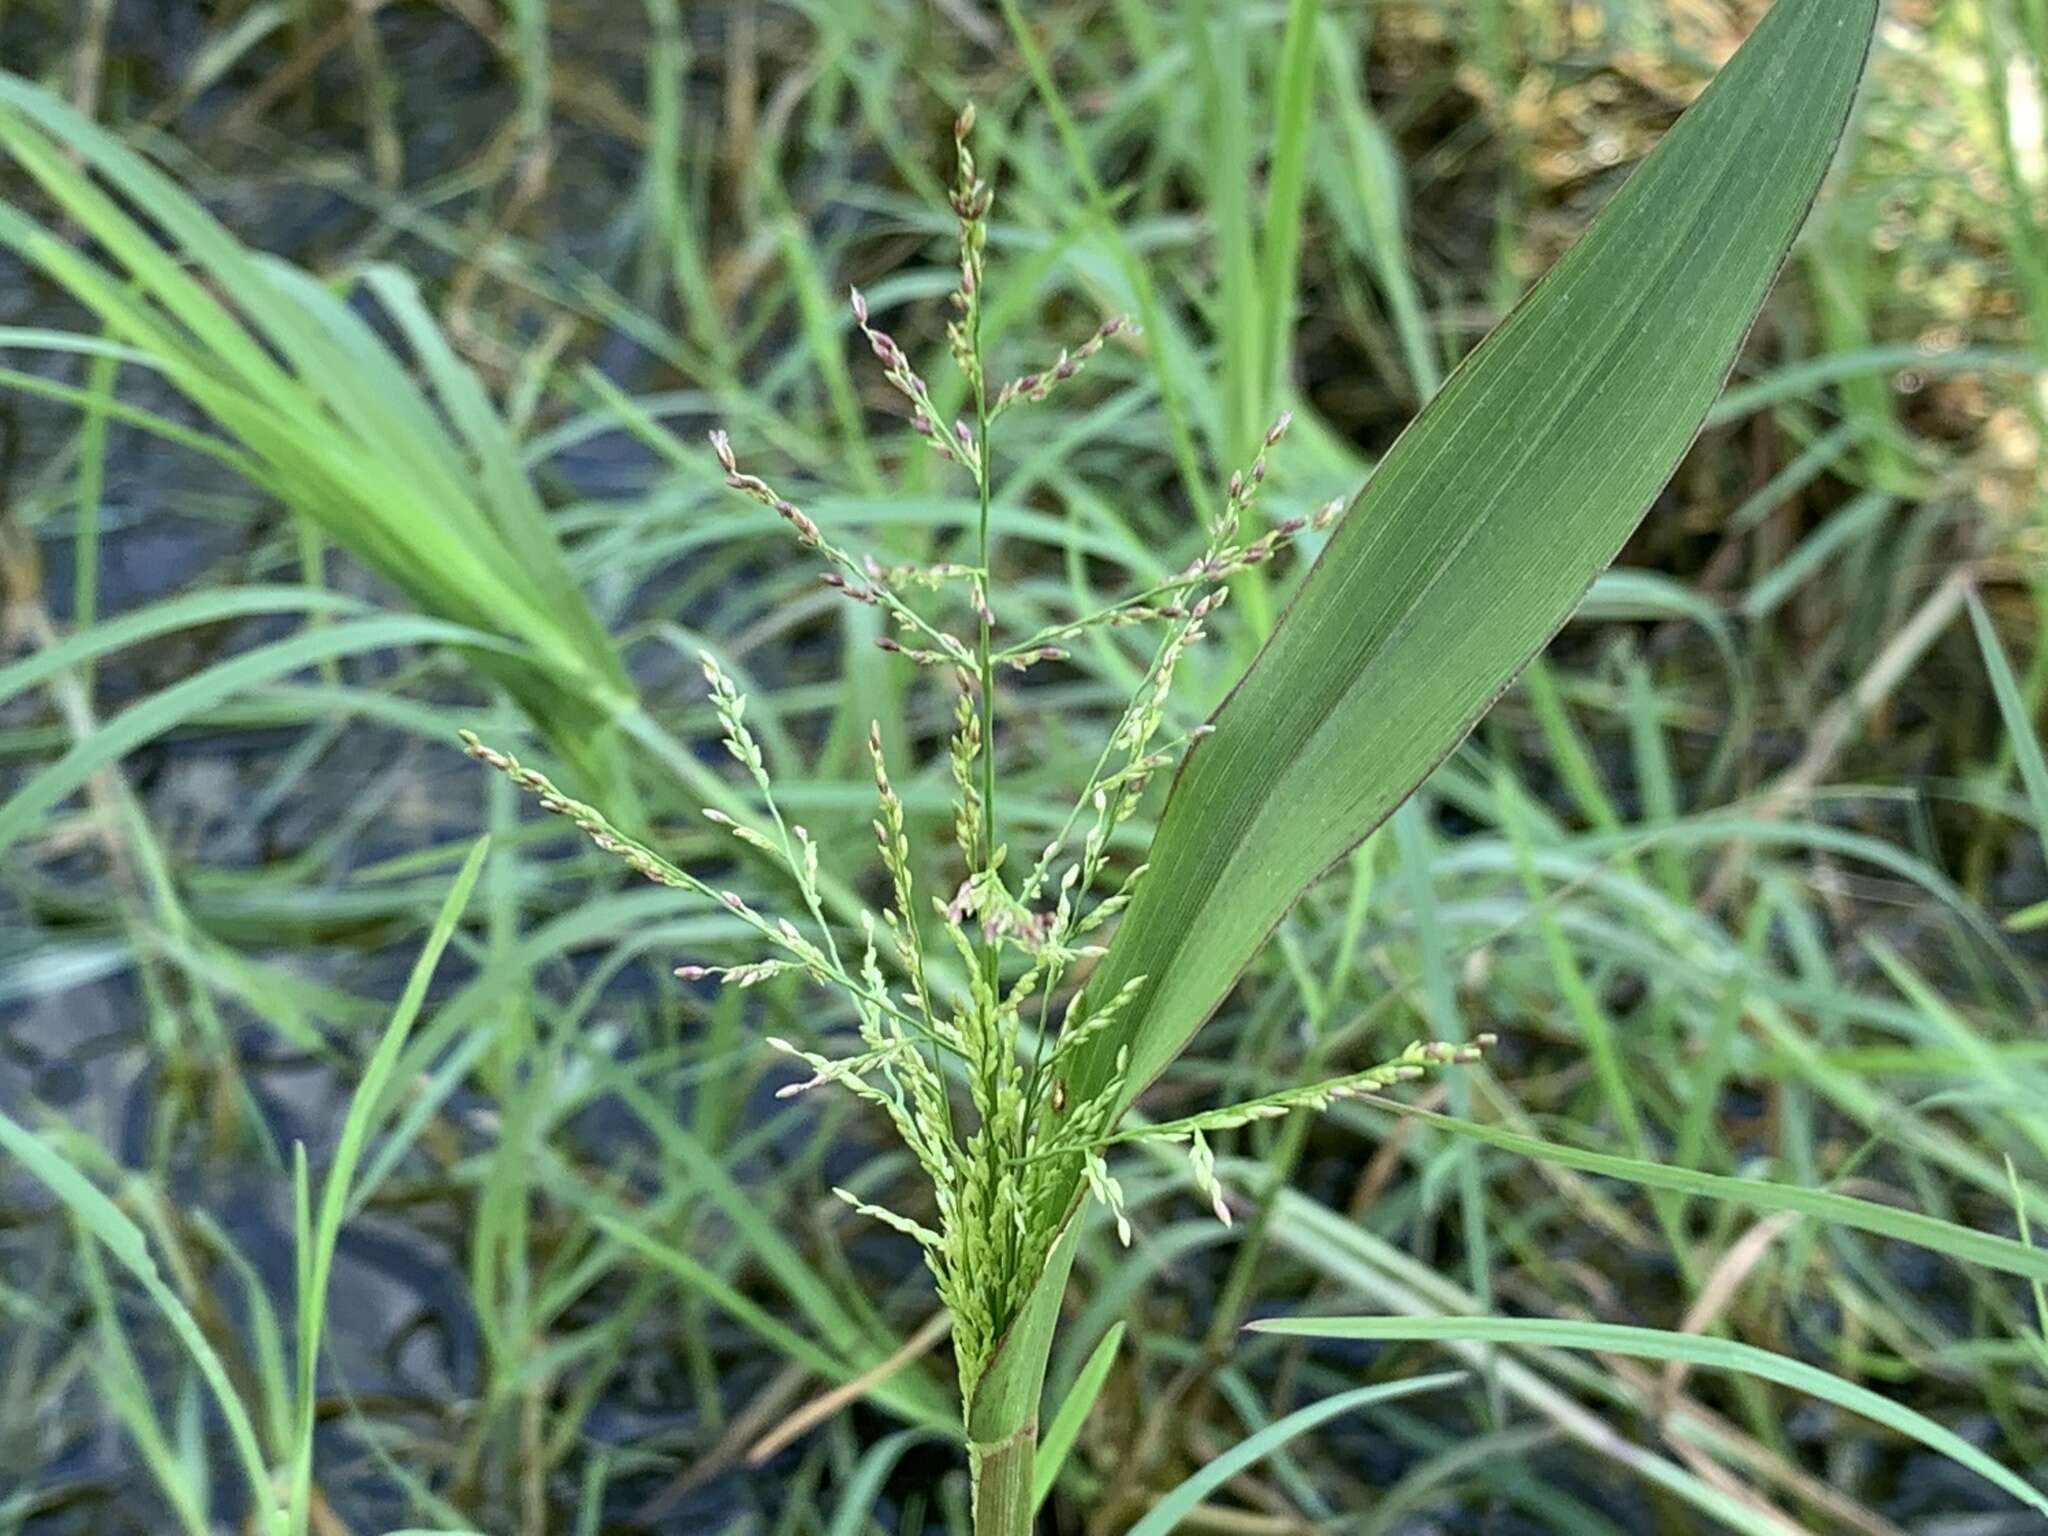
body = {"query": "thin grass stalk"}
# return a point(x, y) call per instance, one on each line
point(1004, 1498)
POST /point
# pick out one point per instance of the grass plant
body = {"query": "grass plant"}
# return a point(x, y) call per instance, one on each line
point(1379, 667)
point(1735, 1227)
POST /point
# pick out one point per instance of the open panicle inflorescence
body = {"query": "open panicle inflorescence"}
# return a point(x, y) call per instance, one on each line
point(957, 1032)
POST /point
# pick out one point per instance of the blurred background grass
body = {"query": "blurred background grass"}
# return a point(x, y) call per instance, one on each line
point(1747, 873)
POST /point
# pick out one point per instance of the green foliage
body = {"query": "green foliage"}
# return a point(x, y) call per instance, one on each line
point(105, 1224)
point(1167, 1514)
point(1683, 1348)
point(1491, 517)
point(316, 409)
point(1496, 512)
point(1489, 520)
point(1754, 1043)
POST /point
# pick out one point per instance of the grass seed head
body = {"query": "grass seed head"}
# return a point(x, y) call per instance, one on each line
point(1001, 1149)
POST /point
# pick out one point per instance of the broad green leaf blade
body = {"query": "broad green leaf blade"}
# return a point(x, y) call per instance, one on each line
point(1170, 1511)
point(1483, 527)
point(1690, 1348)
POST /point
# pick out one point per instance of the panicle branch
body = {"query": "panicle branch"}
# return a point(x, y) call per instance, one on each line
point(852, 578)
point(1415, 1061)
point(1037, 387)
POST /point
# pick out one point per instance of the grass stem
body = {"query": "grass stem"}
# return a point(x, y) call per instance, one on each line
point(1003, 1493)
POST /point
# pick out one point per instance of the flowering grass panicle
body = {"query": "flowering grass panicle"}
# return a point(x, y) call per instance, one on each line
point(967, 1010)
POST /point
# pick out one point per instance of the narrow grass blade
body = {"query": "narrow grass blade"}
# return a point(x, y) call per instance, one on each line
point(856, 1508)
point(159, 712)
point(1368, 198)
point(90, 642)
point(126, 1393)
point(1362, 1263)
point(1689, 1348)
point(111, 1227)
point(1596, 1030)
point(771, 1330)
point(317, 1257)
point(1959, 1242)
point(432, 492)
point(909, 1393)
point(2026, 746)
point(1170, 1511)
point(1058, 1440)
point(1280, 255)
